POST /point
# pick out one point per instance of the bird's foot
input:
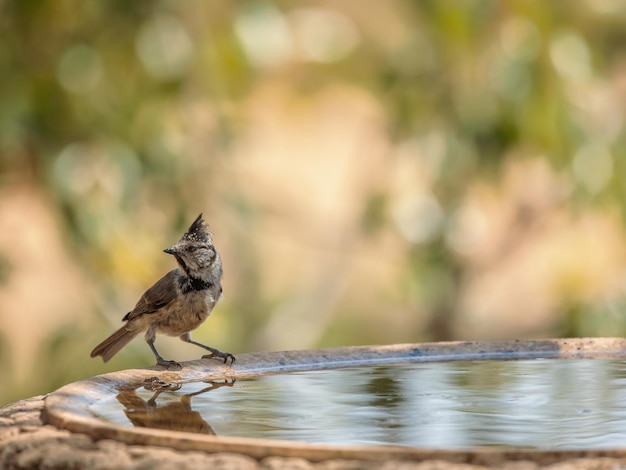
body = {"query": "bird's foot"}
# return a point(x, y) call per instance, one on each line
point(168, 364)
point(221, 355)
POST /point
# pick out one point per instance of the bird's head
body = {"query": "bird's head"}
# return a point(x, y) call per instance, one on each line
point(194, 251)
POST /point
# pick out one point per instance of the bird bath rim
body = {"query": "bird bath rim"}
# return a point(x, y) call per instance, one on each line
point(68, 407)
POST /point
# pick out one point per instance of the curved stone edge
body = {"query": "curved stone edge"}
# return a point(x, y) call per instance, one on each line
point(67, 408)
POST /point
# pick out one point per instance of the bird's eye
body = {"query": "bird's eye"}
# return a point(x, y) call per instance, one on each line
point(192, 248)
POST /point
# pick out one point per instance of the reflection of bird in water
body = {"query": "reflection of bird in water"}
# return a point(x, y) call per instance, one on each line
point(172, 415)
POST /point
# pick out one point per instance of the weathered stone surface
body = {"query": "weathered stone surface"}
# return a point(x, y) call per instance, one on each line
point(280, 463)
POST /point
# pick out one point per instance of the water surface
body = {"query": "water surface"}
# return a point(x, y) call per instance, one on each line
point(529, 404)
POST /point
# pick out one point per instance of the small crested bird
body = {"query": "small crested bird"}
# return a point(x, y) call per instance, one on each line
point(179, 302)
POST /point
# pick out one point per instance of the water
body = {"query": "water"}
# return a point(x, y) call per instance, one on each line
point(541, 404)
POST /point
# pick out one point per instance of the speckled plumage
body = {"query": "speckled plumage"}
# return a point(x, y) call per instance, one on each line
point(178, 302)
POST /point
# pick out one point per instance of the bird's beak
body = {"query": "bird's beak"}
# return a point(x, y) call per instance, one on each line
point(170, 251)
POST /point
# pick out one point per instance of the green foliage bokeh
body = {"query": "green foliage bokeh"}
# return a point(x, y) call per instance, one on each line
point(128, 116)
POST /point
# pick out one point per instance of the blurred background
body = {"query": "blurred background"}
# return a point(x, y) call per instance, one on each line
point(373, 173)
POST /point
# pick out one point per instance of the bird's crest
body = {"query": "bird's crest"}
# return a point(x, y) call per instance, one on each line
point(198, 232)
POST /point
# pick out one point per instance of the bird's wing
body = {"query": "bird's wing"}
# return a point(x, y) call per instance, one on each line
point(156, 297)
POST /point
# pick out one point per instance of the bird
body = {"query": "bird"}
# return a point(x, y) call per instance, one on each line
point(179, 302)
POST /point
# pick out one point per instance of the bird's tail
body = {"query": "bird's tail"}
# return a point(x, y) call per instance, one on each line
point(110, 346)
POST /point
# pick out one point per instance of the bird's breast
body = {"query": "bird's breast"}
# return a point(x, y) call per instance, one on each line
point(187, 312)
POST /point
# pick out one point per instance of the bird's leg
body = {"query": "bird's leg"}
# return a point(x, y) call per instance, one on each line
point(150, 335)
point(160, 360)
point(214, 352)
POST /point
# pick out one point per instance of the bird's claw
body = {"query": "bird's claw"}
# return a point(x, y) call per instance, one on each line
point(168, 364)
point(221, 355)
